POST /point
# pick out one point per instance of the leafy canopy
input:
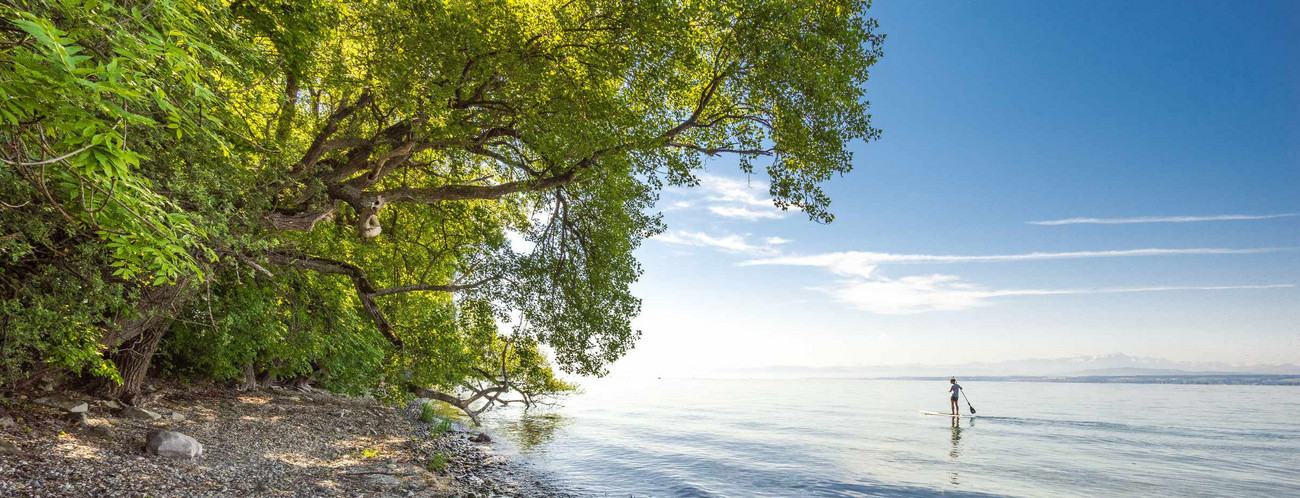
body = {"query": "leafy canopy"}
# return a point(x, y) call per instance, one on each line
point(341, 176)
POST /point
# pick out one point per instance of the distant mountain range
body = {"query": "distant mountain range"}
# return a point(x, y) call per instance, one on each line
point(1117, 364)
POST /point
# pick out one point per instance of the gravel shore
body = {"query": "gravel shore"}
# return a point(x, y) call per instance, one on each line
point(269, 443)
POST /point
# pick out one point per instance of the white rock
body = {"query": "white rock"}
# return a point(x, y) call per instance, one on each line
point(173, 445)
point(63, 403)
point(136, 413)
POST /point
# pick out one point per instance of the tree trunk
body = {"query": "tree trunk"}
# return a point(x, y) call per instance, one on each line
point(132, 360)
point(139, 338)
point(157, 306)
point(250, 377)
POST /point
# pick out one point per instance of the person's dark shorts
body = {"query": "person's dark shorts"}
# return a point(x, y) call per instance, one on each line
point(954, 398)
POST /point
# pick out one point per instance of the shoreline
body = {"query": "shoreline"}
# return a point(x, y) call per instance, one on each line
point(272, 442)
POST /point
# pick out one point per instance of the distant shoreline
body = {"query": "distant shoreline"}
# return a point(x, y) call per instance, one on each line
point(1189, 379)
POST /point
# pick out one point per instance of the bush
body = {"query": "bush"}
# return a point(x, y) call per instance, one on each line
point(438, 463)
point(428, 412)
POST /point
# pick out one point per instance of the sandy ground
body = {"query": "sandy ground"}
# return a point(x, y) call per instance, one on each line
point(268, 443)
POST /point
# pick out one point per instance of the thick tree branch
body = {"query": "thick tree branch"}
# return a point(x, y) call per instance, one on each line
point(319, 147)
point(366, 291)
point(300, 222)
point(467, 192)
point(435, 288)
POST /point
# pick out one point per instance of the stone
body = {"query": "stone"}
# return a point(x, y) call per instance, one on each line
point(112, 405)
point(78, 418)
point(173, 444)
point(177, 416)
point(6, 422)
point(386, 480)
point(480, 438)
point(8, 448)
point(63, 403)
point(136, 413)
point(99, 431)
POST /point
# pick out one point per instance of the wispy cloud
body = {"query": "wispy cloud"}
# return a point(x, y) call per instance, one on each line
point(732, 191)
point(732, 198)
point(863, 263)
point(731, 243)
point(1162, 219)
point(928, 293)
point(744, 213)
point(866, 289)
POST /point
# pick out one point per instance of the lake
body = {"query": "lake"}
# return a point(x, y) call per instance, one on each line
point(687, 438)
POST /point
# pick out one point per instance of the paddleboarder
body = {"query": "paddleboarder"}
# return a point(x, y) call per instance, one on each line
point(955, 390)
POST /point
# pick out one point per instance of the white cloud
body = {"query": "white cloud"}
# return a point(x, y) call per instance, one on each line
point(776, 240)
point(1162, 219)
point(867, 290)
point(927, 293)
point(738, 199)
point(732, 243)
point(744, 213)
point(730, 190)
point(863, 263)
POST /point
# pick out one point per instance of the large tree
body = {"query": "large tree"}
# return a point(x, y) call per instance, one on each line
point(283, 161)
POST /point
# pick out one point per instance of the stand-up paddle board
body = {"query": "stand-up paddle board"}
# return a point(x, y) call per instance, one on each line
point(937, 414)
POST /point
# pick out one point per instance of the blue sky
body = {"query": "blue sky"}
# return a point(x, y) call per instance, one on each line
point(995, 115)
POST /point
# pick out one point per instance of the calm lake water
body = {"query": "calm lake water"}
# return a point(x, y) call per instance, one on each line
point(866, 438)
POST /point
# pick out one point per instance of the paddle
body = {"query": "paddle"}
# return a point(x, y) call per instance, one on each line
point(963, 395)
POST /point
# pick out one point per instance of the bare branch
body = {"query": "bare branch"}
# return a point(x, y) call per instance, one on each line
point(47, 161)
point(435, 288)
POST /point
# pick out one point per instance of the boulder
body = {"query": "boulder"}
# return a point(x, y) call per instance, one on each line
point(481, 438)
point(112, 405)
point(63, 403)
point(78, 418)
point(6, 422)
point(8, 448)
point(172, 444)
point(136, 413)
point(177, 416)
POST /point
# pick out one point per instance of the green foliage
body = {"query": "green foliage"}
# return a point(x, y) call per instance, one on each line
point(438, 462)
point(428, 412)
point(441, 429)
point(338, 179)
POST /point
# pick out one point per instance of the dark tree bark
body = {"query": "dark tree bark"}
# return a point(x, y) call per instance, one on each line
point(137, 339)
point(250, 378)
point(132, 361)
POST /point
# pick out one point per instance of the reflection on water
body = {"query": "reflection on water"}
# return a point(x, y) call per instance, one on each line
point(531, 430)
point(858, 438)
point(956, 438)
point(953, 476)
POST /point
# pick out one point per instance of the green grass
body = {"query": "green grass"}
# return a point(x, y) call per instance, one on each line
point(442, 428)
point(428, 412)
point(438, 463)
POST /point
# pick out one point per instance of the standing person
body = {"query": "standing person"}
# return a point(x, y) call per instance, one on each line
point(956, 391)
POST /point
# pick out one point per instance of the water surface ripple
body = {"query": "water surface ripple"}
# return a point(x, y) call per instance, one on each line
point(855, 438)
